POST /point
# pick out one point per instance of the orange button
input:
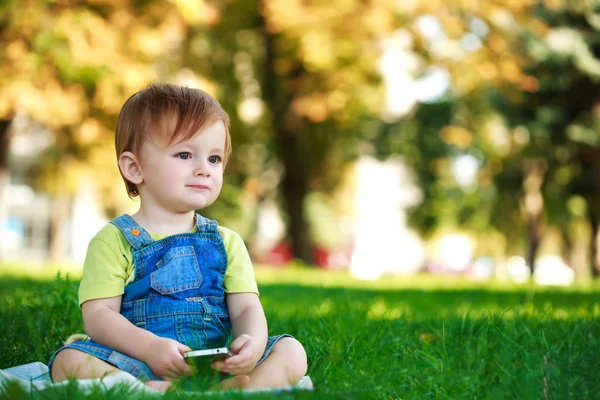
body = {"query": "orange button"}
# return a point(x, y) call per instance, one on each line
point(135, 232)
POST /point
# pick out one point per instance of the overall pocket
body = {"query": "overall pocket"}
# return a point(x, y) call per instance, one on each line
point(177, 271)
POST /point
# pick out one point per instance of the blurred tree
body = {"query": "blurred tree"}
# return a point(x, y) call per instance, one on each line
point(303, 79)
point(536, 64)
point(302, 83)
point(322, 86)
point(70, 65)
point(299, 79)
point(477, 43)
point(562, 115)
point(4, 142)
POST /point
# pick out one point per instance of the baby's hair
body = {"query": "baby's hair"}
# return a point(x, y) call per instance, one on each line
point(173, 112)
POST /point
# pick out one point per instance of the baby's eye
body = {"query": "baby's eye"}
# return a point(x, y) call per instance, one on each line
point(184, 156)
point(214, 159)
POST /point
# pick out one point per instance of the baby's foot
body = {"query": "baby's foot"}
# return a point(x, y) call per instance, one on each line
point(159, 386)
point(305, 383)
point(75, 338)
point(236, 382)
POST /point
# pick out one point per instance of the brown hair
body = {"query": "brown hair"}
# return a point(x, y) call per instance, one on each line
point(174, 112)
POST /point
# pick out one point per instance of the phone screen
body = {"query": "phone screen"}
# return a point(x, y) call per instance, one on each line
point(202, 363)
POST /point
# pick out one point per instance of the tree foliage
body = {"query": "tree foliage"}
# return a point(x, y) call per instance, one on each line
point(302, 82)
point(524, 101)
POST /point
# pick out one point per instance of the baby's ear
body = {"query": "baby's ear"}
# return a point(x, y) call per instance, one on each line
point(130, 167)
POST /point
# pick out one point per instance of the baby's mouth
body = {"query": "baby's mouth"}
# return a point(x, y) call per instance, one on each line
point(201, 187)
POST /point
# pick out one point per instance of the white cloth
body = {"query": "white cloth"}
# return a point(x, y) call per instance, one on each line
point(35, 377)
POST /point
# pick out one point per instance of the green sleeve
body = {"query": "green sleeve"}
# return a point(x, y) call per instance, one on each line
point(107, 266)
point(239, 277)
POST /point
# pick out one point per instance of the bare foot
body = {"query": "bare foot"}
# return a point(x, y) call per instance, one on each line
point(159, 386)
point(236, 382)
point(305, 383)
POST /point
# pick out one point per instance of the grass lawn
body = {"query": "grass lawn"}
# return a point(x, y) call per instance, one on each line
point(410, 338)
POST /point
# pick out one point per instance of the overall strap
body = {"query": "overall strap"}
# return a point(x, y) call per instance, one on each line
point(205, 224)
point(135, 234)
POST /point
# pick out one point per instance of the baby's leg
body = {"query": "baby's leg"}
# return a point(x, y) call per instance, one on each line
point(285, 366)
point(72, 363)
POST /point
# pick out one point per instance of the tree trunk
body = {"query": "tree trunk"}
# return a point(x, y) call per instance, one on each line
point(4, 143)
point(534, 207)
point(591, 159)
point(576, 248)
point(294, 191)
point(594, 240)
point(59, 245)
point(534, 237)
point(286, 128)
point(59, 241)
point(4, 146)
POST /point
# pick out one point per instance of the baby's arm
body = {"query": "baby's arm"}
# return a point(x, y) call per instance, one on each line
point(249, 331)
point(105, 325)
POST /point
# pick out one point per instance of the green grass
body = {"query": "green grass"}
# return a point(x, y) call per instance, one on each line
point(410, 338)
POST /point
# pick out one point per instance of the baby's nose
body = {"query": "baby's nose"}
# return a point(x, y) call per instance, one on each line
point(203, 170)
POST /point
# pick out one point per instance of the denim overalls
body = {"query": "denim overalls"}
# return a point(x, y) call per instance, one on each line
point(177, 292)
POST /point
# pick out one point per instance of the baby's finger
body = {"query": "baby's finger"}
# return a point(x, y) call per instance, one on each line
point(239, 370)
point(218, 365)
point(239, 366)
point(240, 342)
point(222, 366)
point(170, 375)
point(234, 359)
point(182, 366)
point(183, 348)
point(176, 369)
point(231, 364)
point(169, 378)
point(244, 355)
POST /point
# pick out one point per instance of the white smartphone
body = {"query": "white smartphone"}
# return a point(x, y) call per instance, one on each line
point(207, 355)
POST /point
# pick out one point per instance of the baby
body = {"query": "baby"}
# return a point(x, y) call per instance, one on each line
point(166, 280)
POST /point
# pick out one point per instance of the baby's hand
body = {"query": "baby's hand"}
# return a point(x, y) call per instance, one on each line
point(165, 358)
point(245, 356)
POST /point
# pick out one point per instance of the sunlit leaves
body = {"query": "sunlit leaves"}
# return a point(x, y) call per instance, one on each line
point(70, 65)
point(457, 136)
point(198, 11)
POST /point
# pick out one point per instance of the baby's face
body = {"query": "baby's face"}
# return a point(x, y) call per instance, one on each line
point(184, 176)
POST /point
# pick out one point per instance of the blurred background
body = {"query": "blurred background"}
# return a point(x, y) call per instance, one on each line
point(374, 136)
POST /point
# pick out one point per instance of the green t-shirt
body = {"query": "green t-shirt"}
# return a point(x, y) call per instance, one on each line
point(108, 265)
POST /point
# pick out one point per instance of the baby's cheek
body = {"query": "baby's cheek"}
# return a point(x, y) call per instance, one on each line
point(167, 181)
point(218, 184)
